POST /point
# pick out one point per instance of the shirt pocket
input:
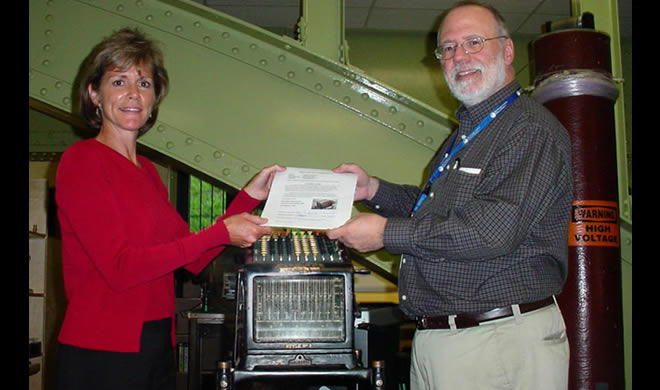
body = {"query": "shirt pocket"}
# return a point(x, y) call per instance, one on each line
point(458, 187)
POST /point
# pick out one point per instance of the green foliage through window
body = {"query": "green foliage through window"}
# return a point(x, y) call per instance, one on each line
point(207, 202)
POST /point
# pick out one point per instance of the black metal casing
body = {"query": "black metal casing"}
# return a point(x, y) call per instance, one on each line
point(295, 314)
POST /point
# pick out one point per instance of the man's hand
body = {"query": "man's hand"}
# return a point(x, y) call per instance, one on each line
point(366, 186)
point(363, 233)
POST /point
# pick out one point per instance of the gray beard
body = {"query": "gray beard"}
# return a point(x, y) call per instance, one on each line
point(495, 75)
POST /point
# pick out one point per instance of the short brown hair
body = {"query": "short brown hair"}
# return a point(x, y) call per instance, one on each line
point(123, 49)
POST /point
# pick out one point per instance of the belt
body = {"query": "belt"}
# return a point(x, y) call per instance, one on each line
point(468, 320)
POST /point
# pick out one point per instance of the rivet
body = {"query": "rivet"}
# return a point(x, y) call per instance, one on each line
point(218, 155)
point(178, 28)
point(149, 18)
point(66, 101)
point(346, 99)
point(48, 33)
point(226, 171)
point(168, 13)
point(198, 158)
point(235, 50)
point(47, 47)
point(263, 62)
point(49, 18)
point(43, 91)
point(318, 86)
point(365, 96)
point(402, 126)
point(189, 141)
point(420, 123)
point(139, 3)
point(245, 168)
point(197, 24)
point(291, 74)
point(169, 145)
point(206, 39)
point(226, 35)
point(160, 128)
point(281, 58)
point(429, 140)
point(374, 112)
point(45, 62)
point(309, 70)
point(393, 110)
point(120, 8)
point(336, 83)
point(253, 46)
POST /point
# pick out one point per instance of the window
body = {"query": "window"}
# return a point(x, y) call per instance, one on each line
point(206, 203)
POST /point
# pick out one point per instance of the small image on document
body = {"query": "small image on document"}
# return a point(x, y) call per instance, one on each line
point(307, 198)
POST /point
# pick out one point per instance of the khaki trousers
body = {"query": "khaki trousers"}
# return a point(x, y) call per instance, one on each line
point(525, 352)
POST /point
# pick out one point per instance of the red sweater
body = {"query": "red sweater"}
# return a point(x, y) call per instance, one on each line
point(121, 241)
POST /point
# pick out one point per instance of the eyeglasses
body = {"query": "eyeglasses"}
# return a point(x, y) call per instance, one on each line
point(470, 46)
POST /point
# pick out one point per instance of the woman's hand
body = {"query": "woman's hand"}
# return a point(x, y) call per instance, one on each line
point(366, 186)
point(244, 229)
point(259, 186)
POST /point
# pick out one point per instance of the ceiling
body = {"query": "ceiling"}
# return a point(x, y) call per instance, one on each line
point(522, 16)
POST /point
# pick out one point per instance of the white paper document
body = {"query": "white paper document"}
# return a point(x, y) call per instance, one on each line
point(306, 198)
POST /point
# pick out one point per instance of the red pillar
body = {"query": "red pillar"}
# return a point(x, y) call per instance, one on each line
point(573, 80)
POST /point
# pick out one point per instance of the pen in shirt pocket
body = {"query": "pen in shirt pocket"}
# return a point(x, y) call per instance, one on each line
point(457, 167)
point(457, 164)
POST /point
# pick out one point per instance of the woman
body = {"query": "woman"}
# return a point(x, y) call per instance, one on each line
point(121, 237)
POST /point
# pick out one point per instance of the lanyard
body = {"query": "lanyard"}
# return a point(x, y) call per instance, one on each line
point(454, 149)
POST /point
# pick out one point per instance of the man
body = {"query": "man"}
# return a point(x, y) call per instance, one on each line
point(484, 245)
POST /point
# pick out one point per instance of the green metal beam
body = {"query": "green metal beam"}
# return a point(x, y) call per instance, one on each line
point(321, 29)
point(241, 98)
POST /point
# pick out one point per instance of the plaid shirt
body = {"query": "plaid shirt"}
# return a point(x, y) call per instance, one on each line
point(493, 231)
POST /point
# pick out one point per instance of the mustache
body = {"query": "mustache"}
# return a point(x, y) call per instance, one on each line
point(462, 68)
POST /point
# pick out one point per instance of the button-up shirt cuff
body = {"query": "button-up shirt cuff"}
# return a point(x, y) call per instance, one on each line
point(397, 237)
point(381, 199)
